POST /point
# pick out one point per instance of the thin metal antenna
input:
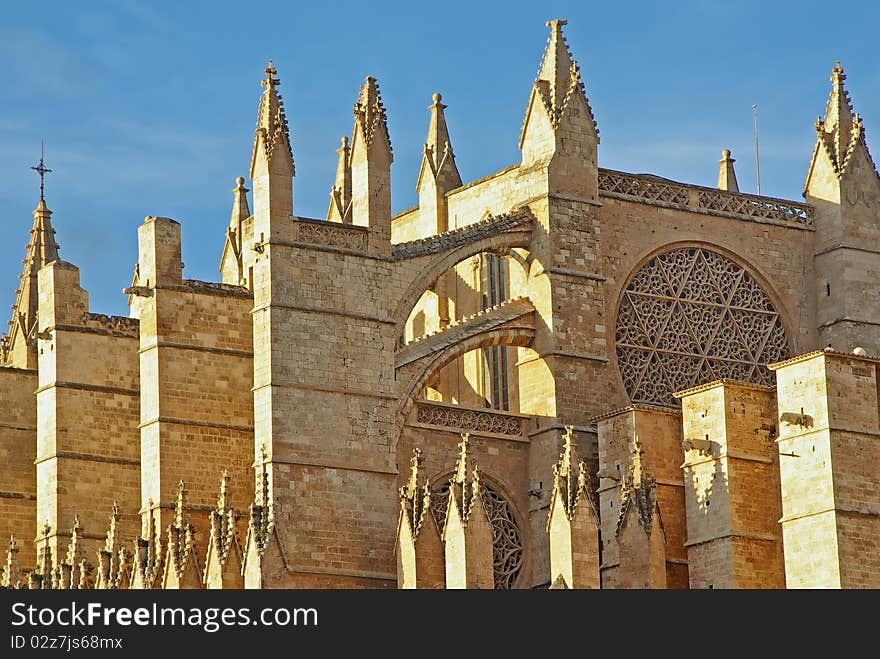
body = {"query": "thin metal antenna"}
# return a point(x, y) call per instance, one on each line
point(757, 158)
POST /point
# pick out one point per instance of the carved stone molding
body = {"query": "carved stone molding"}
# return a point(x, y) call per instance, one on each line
point(642, 188)
point(507, 546)
point(331, 234)
point(654, 190)
point(458, 419)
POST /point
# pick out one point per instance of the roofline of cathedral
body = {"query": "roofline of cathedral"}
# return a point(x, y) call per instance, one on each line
point(721, 382)
point(634, 407)
point(873, 359)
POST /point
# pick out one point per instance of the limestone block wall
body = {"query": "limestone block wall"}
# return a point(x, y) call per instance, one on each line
point(658, 434)
point(829, 450)
point(18, 444)
point(87, 414)
point(196, 375)
point(325, 403)
point(731, 475)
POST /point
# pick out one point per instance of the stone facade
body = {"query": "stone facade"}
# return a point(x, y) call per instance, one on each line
point(557, 375)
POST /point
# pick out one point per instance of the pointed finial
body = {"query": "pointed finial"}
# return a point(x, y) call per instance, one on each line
point(262, 479)
point(370, 114)
point(410, 490)
point(223, 499)
point(567, 446)
point(726, 173)
point(271, 80)
point(272, 129)
point(558, 69)
point(557, 88)
point(461, 463)
point(178, 508)
point(636, 462)
point(582, 476)
point(438, 158)
point(42, 170)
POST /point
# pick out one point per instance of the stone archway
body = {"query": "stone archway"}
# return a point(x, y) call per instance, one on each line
point(499, 244)
point(515, 328)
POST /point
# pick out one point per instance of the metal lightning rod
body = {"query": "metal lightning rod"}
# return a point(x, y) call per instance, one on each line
point(757, 159)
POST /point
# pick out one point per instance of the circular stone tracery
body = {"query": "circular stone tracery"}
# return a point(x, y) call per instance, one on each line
point(691, 316)
point(506, 540)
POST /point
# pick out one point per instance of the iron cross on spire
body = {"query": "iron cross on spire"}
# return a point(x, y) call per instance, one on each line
point(42, 170)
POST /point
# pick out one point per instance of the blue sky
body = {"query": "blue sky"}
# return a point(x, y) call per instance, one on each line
point(149, 107)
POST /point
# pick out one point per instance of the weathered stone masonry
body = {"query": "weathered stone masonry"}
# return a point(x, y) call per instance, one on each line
point(557, 375)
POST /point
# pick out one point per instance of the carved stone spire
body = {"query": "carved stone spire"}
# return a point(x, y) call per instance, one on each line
point(558, 68)
point(263, 554)
point(419, 549)
point(272, 140)
point(12, 571)
point(370, 159)
point(843, 186)
point(340, 194)
point(75, 570)
point(111, 544)
point(223, 560)
point(44, 567)
point(370, 118)
point(148, 555)
point(18, 347)
point(726, 173)
point(232, 265)
point(841, 131)
point(559, 81)
point(839, 119)
point(467, 532)
point(636, 453)
point(223, 498)
point(181, 562)
point(178, 506)
point(113, 558)
point(570, 477)
point(460, 476)
point(572, 522)
point(558, 107)
point(639, 497)
point(261, 517)
point(641, 537)
point(271, 168)
point(415, 497)
point(438, 159)
point(438, 173)
point(240, 209)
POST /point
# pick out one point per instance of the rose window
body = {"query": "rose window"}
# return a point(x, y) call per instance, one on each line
point(691, 316)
